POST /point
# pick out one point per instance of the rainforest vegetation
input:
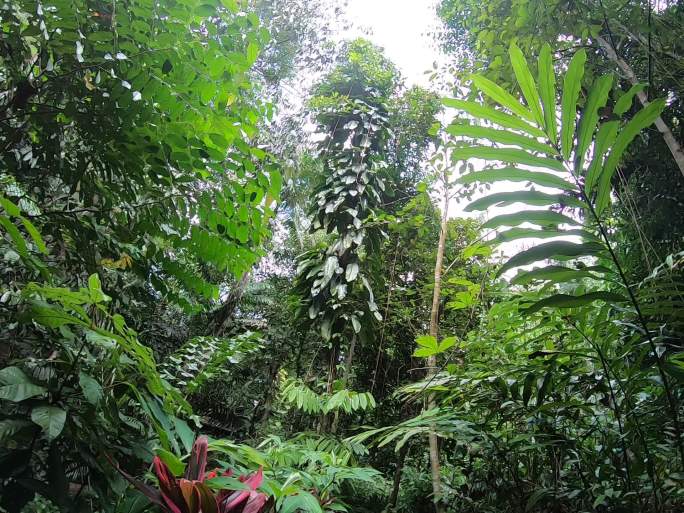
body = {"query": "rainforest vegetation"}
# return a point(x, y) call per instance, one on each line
point(246, 267)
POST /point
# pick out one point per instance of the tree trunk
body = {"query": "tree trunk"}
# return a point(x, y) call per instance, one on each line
point(670, 140)
point(347, 371)
point(223, 316)
point(392, 503)
point(432, 360)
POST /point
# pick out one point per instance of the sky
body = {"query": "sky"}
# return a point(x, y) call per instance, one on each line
point(402, 28)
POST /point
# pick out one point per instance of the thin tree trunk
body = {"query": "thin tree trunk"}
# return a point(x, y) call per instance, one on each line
point(345, 378)
point(401, 457)
point(670, 140)
point(324, 422)
point(224, 315)
point(432, 360)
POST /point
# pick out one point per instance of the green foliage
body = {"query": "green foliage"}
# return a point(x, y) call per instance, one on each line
point(144, 120)
point(299, 395)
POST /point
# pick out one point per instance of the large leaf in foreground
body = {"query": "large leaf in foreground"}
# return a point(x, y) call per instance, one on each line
point(560, 250)
point(570, 301)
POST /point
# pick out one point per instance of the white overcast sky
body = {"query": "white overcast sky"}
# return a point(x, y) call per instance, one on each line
point(402, 28)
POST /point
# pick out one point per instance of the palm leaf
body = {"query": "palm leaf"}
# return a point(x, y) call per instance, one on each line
point(571, 89)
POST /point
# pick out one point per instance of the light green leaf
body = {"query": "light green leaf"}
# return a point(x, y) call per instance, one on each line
point(598, 96)
point(526, 83)
point(427, 341)
point(13, 376)
point(50, 418)
point(92, 390)
point(495, 116)
point(561, 250)
point(21, 391)
point(643, 119)
point(446, 343)
point(501, 96)
point(547, 91)
point(569, 301)
point(604, 140)
point(512, 174)
point(572, 84)
point(540, 217)
point(174, 463)
point(624, 103)
point(509, 155)
point(499, 136)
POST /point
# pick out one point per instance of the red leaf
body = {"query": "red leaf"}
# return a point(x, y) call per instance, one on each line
point(198, 460)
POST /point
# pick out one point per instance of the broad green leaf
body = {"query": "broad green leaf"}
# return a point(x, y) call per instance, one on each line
point(20, 391)
point(547, 91)
point(624, 103)
point(52, 316)
point(10, 427)
point(499, 136)
point(91, 389)
point(604, 140)
point(539, 217)
point(508, 155)
point(495, 116)
point(558, 274)
point(513, 174)
point(186, 435)
point(570, 301)
point(50, 418)
point(302, 502)
point(427, 341)
point(561, 250)
point(15, 235)
point(35, 235)
point(532, 233)
point(10, 207)
point(226, 483)
point(172, 461)
point(502, 97)
point(572, 84)
point(13, 376)
point(446, 343)
point(598, 96)
point(536, 198)
point(526, 83)
point(643, 119)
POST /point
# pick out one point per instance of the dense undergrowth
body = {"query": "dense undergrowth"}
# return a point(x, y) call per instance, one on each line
point(215, 297)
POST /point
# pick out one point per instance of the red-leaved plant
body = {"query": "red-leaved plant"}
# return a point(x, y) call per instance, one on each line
point(190, 494)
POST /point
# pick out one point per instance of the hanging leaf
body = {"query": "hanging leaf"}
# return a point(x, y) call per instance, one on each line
point(598, 96)
point(570, 301)
point(500, 136)
point(526, 83)
point(547, 91)
point(536, 198)
point(50, 418)
point(643, 119)
point(501, 96)
point(571, 89)
point(495, 116)
point(540, 217)
point(509, 155)
point(562, 250)
point(513, 174)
